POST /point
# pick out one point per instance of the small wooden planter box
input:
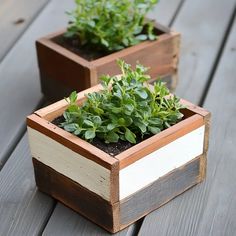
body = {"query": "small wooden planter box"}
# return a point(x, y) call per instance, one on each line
point(66, 71)
point(116, 191)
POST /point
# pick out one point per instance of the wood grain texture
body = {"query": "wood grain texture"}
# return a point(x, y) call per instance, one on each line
point(219, 215)
point(15, 17)
point(165, 11)
point(159, 192)
point(201, 43)
point(23, 209)
point(73, 165)
point(66, 222)
point(160, 162)
point(20, 83)
point(209, 208)
point(160, 55)
point(75, 196)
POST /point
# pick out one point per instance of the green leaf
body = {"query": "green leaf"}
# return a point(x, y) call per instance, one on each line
point(88, 123)
point(141, 93)
point(73, 97)
point(155, 121)
point(97, 120)
point(142, 37)
point(70, 127)
point(77, 131)
point(154, 130)
point(112, 137)
point(111, 126)
point(89, 134)
point(130, 136)
point(141, 126)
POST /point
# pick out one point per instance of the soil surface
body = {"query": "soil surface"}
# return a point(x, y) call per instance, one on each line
point(73, 45)
point(112, 149)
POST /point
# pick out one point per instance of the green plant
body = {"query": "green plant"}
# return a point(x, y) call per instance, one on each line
point(111, 25)
point(125, 109)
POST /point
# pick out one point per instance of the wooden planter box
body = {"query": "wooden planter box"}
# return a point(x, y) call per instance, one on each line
point(66, 71)
point(116, 191)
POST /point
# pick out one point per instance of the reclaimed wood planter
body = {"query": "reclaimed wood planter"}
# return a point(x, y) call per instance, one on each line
point(66, 71)
point(116, 191)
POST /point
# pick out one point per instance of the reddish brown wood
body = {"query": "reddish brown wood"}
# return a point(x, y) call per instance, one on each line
point(64, 69)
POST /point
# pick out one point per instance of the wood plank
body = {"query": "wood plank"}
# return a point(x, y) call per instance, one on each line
point(88, 173)
point(219, 217)
point(19, 84)
point(165, 11)
point(65, 220)
point(160, 162)
point(15, 17)
point(24, 210)
point(159, 192)
point(210, 208)
point(76, 196)
point(202, 36)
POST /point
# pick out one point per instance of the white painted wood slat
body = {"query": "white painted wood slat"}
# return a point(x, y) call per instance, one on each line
point(160, 162)
point(87, 173)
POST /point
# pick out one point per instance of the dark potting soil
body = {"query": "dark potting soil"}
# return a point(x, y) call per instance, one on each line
point(112, 149)
point(73, 45)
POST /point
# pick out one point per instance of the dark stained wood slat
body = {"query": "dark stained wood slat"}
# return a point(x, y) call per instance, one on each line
point(70, 223)
point(209, 208)
point(15, 17)
point(23, 210)
point(19, 83)
point(203, 25)
point(163, 190)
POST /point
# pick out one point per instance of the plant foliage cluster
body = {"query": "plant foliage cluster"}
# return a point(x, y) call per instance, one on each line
point(111, 25)
point(125, 109)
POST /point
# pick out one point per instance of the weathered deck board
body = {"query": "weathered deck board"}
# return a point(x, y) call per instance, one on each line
point(19, 83)
point(203, 26)
point(67, 222)
point(23, 210)
point(15, 17)
point(209, 208)
point(165, 11)
point(219, 216)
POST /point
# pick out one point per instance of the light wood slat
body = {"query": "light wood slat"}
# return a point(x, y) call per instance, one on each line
point(74, 224)
point(203, 25)
point(23, 210)
point(209, 208)
point(19, 83)
point(15, 17)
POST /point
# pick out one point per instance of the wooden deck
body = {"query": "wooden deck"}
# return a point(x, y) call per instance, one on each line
point(206, 77)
